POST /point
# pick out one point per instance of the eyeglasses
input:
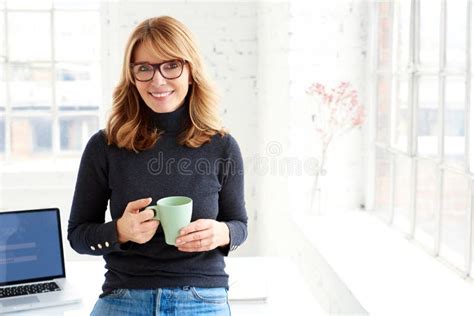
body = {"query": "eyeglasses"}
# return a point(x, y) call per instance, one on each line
point(171, 69)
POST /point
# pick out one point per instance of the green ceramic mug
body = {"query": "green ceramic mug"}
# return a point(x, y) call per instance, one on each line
point(174, 213)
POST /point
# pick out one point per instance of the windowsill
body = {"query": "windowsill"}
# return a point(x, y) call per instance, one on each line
point(53, 165)
point(386, 273)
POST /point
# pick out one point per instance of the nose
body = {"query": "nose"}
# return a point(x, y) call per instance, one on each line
point(158, 79)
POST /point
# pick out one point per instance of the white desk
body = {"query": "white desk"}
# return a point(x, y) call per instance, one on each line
point(287, 291)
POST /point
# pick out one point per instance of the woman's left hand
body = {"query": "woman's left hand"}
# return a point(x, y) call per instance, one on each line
point(203, 235)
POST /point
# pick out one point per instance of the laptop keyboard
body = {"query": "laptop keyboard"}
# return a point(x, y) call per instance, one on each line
point(28, 289)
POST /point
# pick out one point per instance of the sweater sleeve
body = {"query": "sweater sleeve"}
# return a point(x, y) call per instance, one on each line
point(231, 197)
point(87, 231)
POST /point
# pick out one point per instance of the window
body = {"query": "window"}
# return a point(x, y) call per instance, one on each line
point(423, 169)
point(50, 79)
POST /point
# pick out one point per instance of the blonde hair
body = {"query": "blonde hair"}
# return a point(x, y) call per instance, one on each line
point(128, 126)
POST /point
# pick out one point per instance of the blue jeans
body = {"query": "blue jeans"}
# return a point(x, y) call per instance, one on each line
point(183, 301)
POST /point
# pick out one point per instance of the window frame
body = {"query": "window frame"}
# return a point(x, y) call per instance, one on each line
point(415, 71)
point(53, 113)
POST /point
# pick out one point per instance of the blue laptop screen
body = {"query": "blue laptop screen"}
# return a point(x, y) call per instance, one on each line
point(30, 246)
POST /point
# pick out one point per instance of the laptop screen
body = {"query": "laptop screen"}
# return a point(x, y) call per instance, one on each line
point(30, 246)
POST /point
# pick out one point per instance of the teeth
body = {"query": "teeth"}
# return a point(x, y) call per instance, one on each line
point(160, 95)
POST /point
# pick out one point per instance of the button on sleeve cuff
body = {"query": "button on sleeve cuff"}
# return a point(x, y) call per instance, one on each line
point(105, 240)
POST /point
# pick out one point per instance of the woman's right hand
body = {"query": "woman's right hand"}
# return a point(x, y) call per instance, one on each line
point(137, 226)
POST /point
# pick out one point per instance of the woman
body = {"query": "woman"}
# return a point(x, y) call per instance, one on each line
point(163, 138)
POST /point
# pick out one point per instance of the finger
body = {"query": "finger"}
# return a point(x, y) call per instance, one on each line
point(145, 232)
point(200, 224)
point(146, 215)
point(196, 246)
point(193, 237)
point(135, 206)
point(149, 226)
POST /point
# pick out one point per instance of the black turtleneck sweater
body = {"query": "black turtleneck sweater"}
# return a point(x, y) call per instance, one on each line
point(212, 175)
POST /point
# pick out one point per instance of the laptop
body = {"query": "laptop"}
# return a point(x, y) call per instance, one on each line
point(32, 271)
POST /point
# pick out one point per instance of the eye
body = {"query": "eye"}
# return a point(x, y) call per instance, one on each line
point(171, 65)
point(143, 68)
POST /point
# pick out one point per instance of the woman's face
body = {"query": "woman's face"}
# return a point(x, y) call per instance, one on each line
point(160, 94)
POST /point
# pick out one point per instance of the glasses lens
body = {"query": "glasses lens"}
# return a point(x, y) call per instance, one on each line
point(143, 72)
point(171, 69)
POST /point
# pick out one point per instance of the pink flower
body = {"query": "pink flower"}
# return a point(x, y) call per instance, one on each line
point(337, 111)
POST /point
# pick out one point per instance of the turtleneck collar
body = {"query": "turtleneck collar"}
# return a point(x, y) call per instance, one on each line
point(171, 122)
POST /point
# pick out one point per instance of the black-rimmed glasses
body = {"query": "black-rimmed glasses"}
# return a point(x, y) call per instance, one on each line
point(171, 69)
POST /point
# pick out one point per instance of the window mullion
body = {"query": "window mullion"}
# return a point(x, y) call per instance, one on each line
point(7, 93)
point(467, 73)
point(441, 97)
point(391, 211)
point(413, 108)
point(54, 105)
point(392, 155)
point(467, 137)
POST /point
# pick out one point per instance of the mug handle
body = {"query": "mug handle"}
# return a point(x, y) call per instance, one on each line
point(155, 210)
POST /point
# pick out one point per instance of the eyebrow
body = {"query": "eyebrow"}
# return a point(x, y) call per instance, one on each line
point(143, 62)
point(147, 62)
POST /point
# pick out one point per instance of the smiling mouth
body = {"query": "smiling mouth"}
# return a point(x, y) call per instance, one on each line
point(162, 94)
